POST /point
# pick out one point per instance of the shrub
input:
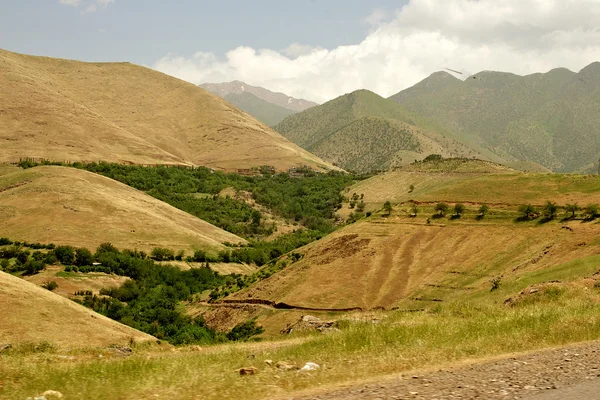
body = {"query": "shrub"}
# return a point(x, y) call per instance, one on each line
point(483, 210)
point(162, 254)
point(245, 331)
point(572, 208)
point(591, 211)
point(414, 210)
point(459, 209)
point(5, 241)
point(51, 285)
point(527, 212)
point(441, 209)
point(549, 211)
point(496, 282)
point(387, 208)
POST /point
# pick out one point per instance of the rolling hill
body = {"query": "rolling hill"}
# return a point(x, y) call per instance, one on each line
point(414, 262)
point(277, 99)
point(362, 131)
point(66, 110)
point(270, 114)
point(552, 119)
point(73, 207)
point(34, 315)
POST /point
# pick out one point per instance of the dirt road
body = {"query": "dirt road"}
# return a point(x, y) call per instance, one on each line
point(567, 373)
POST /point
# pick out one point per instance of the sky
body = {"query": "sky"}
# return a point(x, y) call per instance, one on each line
point(313, 49)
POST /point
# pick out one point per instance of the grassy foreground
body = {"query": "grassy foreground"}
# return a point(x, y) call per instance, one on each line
point(447, 333)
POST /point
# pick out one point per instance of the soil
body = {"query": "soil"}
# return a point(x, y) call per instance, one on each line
point(567, 373)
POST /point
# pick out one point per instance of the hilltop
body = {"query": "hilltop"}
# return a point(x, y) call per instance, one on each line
point(274, 98)
point(362, 131)
point(67, 110)
point(34, 315)
point(552, 119)
point(260, 109)
point(68, 206)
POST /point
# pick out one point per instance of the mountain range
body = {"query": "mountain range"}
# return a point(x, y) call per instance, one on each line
point(361, 131)
point(266, 106)
point(552, 118)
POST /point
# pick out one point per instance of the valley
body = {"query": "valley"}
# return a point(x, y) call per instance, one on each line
point(163, 237)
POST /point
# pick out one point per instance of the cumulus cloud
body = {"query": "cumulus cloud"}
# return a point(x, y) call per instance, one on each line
point(73, 3)
point(88, 7)
point(424, 36)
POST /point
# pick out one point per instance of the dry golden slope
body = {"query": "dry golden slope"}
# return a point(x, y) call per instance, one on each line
point(68, 206)
point(70, 110)
point(385, 263)
point(32, 314)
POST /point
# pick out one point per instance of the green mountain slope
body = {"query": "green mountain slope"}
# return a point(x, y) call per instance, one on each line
point(552, 119)
point(362, 131)
point(268, 113)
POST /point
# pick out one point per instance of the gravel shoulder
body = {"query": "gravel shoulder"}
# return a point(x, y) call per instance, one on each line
point(571, 372)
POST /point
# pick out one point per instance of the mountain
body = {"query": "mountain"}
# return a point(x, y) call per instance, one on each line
point(552, 119)
point(67, 206)
point(263, 111)
point(70, 110)
point(275, 98)
point(362, 131)
point(34, 315)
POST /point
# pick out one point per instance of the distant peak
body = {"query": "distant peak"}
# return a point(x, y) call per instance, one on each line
point(593, 68)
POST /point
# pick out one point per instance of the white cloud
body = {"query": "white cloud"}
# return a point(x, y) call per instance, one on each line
point(520, 36)
point(88, 7)
point(377, 17)
point(73, 3)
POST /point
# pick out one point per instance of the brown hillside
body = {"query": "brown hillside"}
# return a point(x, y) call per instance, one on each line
point(70, 110)
point(386, 263)
point(68, 206)
point(31, 314)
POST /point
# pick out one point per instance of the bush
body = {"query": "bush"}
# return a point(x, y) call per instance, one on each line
point(549, 211)
point(591, 211)
point(527, 212)
point(51, 286)
point(459, 209)
point(441, 209)
point(483, 210)
point(162, 254)
point(245, 331)
point(65, 255)
point(5, 241)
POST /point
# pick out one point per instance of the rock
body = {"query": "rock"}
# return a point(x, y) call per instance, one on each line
point(269, 362)
point(309, 323)
point(52, 394)
point(310, 366)
point(122, 350)
point(248, 371)
point(287, 366)
point(5, 346)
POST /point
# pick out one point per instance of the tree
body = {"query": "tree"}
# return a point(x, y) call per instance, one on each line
point(483, 210)
point(414, 210)
point(527, 211)
point(387, 208)
point(83, 257)
point(65, 254)
point(572, 208)
point(459, 209)
point(361, 206)
point(549, 211)
point(412, 187)
point(441, 209)
point(591, 211)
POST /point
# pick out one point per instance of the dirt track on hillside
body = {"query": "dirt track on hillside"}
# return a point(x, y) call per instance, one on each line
point(568, 373)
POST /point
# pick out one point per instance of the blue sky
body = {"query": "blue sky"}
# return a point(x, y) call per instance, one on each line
point(142, 31)
point(313, 49)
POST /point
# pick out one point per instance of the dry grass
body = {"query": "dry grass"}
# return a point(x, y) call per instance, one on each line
point(385, 262)
point(69, 110)
point(32, 314)
point(494, 188)
point(71, 282)
point(68, 206)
